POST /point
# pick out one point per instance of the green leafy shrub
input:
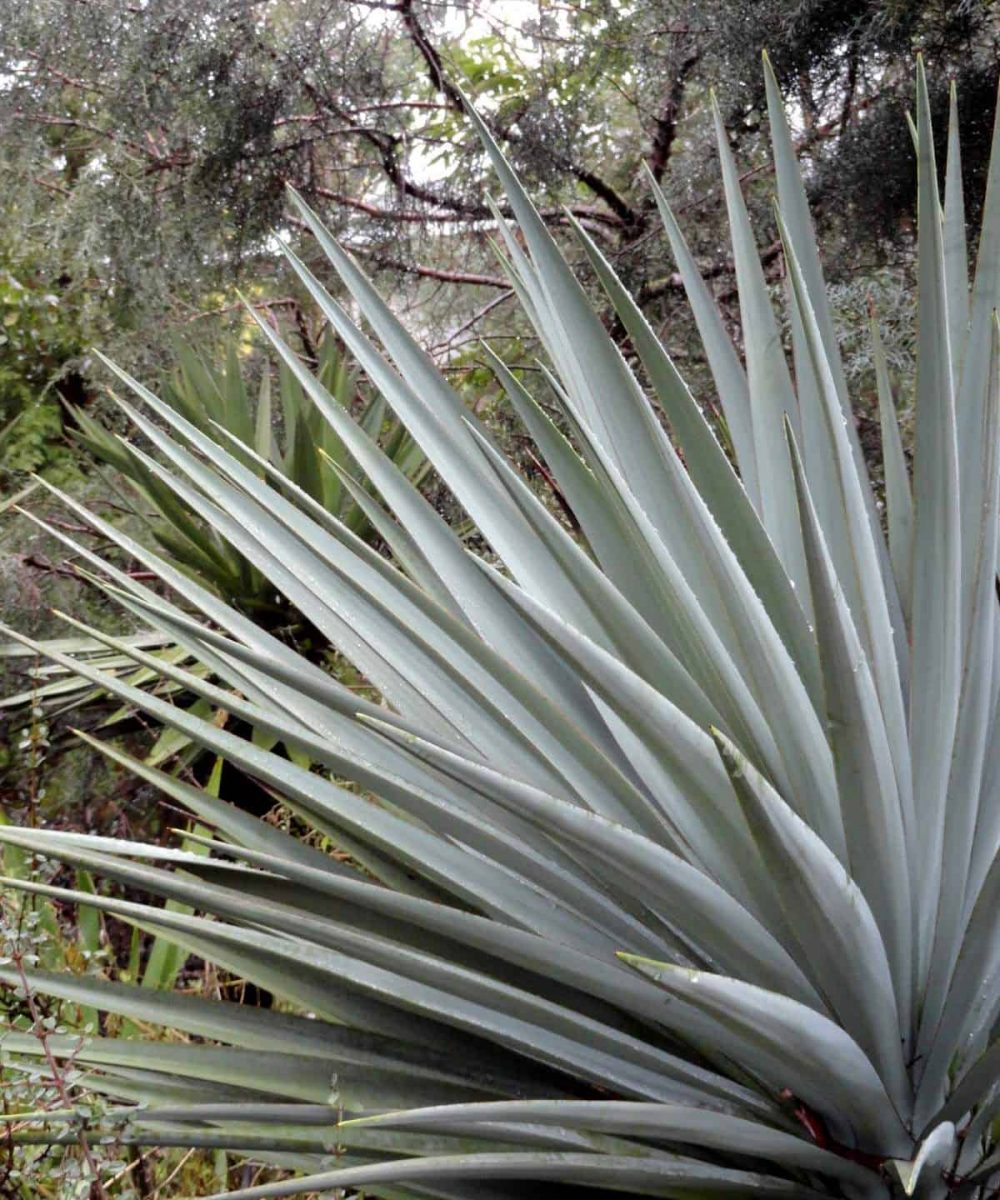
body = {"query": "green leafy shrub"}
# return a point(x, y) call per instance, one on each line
point(33, 441)
point(669, 859)
point(41, 344)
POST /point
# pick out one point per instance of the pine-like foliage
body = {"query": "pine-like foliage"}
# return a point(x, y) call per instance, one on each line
point(673, 847)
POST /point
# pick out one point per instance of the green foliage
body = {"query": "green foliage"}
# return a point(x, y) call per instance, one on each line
point(33, 340)
point(490, 62)
point(668, 860)
point(34, 441)
point(40, 342)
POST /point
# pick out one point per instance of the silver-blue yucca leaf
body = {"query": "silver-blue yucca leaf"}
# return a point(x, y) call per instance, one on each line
point(373, 560)
point(721, 929)
point(972, 393)
point(898, 494)
point(779, 1038)
point(668, 834)
point(873, 815)
point(937, 563)
point(956, 254)
point(974, 717)
point(848, 500)
point(723, 361)
point(711, 471)
point(837, 940)
point(815, 433)
point(817, 447)
point(771, 394)
point(705, 653)
point(686, 1126)
point(871, 614)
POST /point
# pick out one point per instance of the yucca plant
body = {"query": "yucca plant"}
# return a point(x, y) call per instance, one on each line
point(291, 442)
point(672, 849)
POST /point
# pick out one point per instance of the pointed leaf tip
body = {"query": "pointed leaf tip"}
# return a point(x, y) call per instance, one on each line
point(932, 1156)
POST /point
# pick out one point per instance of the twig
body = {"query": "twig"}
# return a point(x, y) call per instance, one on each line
point(469, 277)
point(38, 1028)
point(283, 302)
point(473, 320)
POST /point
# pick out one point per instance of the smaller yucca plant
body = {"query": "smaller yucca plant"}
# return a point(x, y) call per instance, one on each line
point(290, 441)
point(673, 848)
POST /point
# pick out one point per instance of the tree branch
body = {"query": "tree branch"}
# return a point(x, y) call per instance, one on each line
point(665, 132)
point(467, 211)
point(675, 282)
point(430, 55)
point(440, 81)
point(476, 317)
point(468, 277)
